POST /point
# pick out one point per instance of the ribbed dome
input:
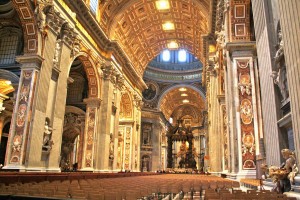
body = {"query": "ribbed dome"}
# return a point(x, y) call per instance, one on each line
point(174, 66)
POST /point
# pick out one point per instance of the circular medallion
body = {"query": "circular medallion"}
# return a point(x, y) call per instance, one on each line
point(246, 111)
point(150, 93)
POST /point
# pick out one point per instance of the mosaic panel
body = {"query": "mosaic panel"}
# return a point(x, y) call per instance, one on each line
point(246, 114)
point(127, 150)
point(240, 20)
point(22, 121)
point(90, 130)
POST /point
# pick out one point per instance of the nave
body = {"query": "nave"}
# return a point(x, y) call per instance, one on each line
point(130, 186)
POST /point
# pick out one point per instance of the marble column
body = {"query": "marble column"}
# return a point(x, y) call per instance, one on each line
point(156, 142)
point(20, 135)
point(290, 26)
point(265, 40)
point(245, 107)
point(90, 138)
point(214, 131)
point(119, 87)
point(136, 132)
point(109, 79)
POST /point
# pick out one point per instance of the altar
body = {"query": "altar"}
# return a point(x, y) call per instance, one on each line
point(185, 158)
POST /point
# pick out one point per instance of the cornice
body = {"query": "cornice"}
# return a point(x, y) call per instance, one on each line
point(87, 19)
point(241, 47)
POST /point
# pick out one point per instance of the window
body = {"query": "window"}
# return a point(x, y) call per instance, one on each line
point(9, 45)
point(94, 6)
point(166, 55)
point(182, 55)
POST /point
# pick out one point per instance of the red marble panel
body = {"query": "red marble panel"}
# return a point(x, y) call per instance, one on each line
point(246, 115)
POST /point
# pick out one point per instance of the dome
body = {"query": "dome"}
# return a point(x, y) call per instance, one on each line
point(174, 65)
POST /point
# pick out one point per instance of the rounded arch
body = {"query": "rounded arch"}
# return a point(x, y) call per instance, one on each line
point(185, 110)
point(166, 91)
point(72, 137)
point(4, 74)
point(91, 73)
point(73, 109)
point(126, 107)
point(140, 20)
point(8, 82)
point(111, 24)
point(29, 25)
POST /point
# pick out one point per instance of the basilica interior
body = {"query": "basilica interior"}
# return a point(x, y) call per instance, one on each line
point(152, 86)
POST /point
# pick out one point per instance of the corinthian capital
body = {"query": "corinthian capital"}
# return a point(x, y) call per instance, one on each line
point(108, 71)
point(70, 37)
point(40, 12)
point(54, 20)
point(137, 100)
point(120, 81)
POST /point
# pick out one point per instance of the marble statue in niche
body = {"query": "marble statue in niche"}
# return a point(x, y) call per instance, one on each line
point(147, 131)
point(280, 80)
point(279, 74)
point(57, 52)
point(111, 150)
point(47, 142)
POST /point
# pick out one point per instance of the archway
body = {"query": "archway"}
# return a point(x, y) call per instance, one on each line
point(72, 138)
point(145, 163)
point(83, 89)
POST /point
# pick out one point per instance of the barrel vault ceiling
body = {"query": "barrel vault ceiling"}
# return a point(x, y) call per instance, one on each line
point(181, 96)
point(137, 25)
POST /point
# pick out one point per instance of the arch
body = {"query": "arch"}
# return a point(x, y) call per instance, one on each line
point(146, 162)
point(140, 20)
point(74, 123)
point(165, 92)
point(91, 73)
point(29, 25)
point(185, 110)
point(73, 109)
point(126, 110)
point(4, 74)
point(8, 82)
point(125, 5)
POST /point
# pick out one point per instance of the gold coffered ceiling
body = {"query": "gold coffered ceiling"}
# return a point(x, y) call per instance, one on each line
point(175, 98)
point(138, 27)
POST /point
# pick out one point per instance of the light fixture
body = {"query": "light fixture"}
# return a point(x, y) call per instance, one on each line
point(168, 26)
point(162, 5)
point(185, 101)
point(182, 89)
point(184, 95)
point(172, 45)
